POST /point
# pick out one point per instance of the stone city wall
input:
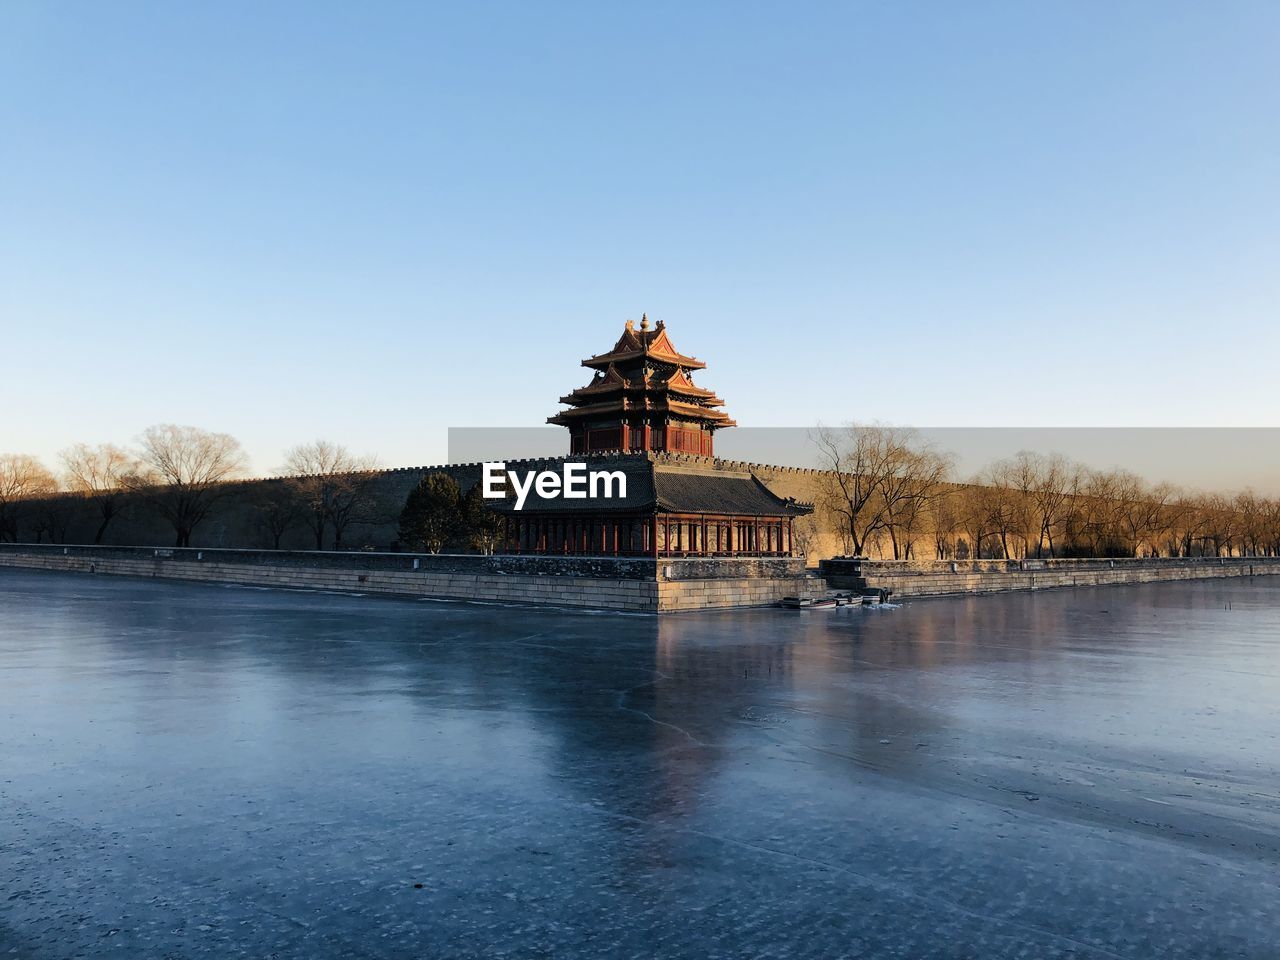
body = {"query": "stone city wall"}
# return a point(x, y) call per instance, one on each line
point(236, 520)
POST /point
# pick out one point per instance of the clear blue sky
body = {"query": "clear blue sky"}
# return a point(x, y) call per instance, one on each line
point(369, 222)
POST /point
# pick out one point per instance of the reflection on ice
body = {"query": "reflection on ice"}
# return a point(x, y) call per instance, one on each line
point(201, 771)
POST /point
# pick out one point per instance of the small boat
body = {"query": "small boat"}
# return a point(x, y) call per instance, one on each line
point(824, 603)
point(848, 600)
point(795, 603)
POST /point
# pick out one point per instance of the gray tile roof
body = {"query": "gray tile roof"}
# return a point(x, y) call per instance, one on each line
point(640, 494)
point(684, 492)
point(668, 489)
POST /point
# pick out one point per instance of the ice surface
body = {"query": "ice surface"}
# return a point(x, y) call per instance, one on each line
point(199, 771)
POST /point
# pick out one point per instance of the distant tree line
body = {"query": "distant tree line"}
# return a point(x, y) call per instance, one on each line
point(183, 474)
point(890, 490)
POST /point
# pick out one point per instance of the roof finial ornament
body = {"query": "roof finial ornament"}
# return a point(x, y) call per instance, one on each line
point(659, 325)
point(631, 325)
point(644, 321)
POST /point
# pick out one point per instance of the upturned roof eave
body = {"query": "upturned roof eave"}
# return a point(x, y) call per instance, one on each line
point(677, 359)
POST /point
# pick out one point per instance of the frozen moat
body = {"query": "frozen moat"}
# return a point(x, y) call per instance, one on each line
point(199, 771)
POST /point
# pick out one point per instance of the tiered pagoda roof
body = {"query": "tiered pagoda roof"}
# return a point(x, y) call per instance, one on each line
point(642, 377)
point(642, 344)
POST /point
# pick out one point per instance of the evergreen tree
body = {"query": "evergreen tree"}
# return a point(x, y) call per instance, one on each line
point(432, 515)
point(482, 526)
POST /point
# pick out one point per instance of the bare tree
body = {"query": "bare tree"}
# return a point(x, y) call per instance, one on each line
point(1012, 506)
point(1045, 486)
point(912, 483)
point(946, 522)
point(1222, 524)
point(1271, 526)
point(999, 508)
point(22, 478)
point(184, 472)
point(99, 474)
point(1094, 524)
point(1127, 511)
point(1194, 518)
point(804, 534)
point(50, 516)
point(973, 516)
point(1146, 517)
point(333, 486)
point(877, 474)
point(275, 510)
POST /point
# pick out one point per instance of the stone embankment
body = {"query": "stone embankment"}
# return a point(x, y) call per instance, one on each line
point(939, 578)
point(639, 584)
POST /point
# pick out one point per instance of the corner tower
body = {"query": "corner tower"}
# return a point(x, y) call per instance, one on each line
point(642, 397)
